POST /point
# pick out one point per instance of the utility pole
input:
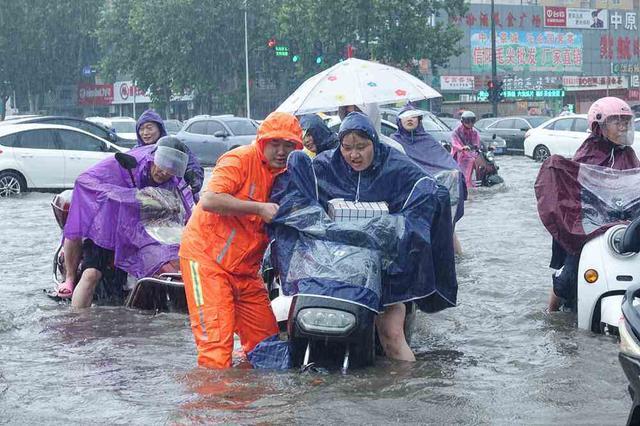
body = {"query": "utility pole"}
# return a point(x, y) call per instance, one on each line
point(246, 60)
point(494, 67)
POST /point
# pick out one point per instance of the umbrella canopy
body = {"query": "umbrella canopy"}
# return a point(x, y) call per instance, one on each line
point(356, 82)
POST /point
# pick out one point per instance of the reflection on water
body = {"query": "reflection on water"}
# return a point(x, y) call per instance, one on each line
point(496, 358)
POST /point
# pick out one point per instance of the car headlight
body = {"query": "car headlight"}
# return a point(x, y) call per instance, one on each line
point(325, 320)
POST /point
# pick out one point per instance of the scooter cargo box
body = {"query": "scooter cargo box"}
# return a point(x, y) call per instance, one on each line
point(345, 211)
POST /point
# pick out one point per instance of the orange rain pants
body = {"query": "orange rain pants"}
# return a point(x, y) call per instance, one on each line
point(221, 304)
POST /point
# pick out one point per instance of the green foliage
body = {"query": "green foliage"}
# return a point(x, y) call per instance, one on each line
point(173, 46)
point(45, 44)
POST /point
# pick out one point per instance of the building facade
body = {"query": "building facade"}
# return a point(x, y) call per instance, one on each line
point(548, 55)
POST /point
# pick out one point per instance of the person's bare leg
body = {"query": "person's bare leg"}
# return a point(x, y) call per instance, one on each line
point(457, 247)
point(554, 302)
point(72, 256)
point(390, 325)
point(83, 293)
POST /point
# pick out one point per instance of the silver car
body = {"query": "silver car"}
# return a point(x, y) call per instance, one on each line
point(210, 136)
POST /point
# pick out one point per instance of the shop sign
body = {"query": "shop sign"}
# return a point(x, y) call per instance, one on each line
point(567, 17)
point(625, 68)
point(124, 92)
point(95, 94)
point(528, 51)
point(531, 83)
point(457, 82)
point(634, 95)
point(525, 94)
point(580, 83)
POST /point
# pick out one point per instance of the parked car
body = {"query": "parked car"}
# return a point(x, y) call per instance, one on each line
point(513, 129)
point(561, 135)
point(208, 137)
point(124, 127)
point(172, 126)
point(489, 140)
point(79, 123)
point(47, 156)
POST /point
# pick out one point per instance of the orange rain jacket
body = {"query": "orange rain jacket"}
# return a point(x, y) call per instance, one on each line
point(237, 243)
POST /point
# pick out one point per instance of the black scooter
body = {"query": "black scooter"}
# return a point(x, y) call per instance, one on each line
point(328, 332)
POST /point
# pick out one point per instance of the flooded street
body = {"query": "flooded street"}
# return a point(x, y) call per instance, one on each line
point(496, 358)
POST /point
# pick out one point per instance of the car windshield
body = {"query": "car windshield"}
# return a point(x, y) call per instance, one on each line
point(536, 121)
point(124, 126)
point(172, 126)
point(242, 127)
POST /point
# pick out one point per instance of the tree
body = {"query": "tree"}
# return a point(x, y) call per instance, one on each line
point(38, 53)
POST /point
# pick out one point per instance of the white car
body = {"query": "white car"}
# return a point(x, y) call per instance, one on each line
point(47, 156)
point(125, 127)
point(561, 135)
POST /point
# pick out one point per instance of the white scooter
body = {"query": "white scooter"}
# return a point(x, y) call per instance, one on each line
point(609, 264)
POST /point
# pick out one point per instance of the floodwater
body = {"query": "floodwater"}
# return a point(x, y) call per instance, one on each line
point(496, 358)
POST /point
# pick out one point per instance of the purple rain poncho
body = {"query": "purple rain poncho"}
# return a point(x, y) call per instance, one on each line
point(431, 156)
point(197, 172)
point(106, 208)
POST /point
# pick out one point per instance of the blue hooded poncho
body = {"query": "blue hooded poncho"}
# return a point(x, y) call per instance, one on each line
point(323, 138)
point(108, 209)
point(431, 156)
point(195, 172)
point(406, 255)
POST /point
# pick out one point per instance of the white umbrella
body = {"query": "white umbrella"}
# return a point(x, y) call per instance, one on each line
point(356, 82)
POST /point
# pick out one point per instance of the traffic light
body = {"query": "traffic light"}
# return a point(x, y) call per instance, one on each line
point(318, 52)
point(271, 43)
point(294, 51)
point(494, 88)
point(498, 91)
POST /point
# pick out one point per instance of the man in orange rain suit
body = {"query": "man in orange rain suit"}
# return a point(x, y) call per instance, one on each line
point(224, 241)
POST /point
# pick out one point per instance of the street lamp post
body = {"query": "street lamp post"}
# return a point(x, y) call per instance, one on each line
point(494, 70)
point(246, 61)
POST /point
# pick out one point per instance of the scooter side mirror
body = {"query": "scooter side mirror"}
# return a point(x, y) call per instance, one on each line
point(127, 161)
point(631, 238)
point(493, 137)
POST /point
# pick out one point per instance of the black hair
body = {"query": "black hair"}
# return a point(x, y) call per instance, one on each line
point(358, 132)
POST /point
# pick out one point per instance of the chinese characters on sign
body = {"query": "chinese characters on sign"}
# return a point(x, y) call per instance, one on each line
point(625, 68)
point(525, 94)
point(577, 83)
point(457, 83)
point(531, 83)
point(534, 51)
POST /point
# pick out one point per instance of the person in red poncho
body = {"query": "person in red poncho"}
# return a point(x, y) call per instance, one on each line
point(608, 145)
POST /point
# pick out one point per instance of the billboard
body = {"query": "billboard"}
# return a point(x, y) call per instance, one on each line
point(567, 17)
point(95, 94)
point(457, 82)
point(529, 51)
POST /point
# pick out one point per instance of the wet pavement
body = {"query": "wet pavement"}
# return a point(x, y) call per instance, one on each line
point(496, 358)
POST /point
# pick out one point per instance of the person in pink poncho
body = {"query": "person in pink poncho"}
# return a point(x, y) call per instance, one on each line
point(465, 145)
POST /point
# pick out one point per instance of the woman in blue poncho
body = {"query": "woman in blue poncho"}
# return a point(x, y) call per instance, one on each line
point(422, 267)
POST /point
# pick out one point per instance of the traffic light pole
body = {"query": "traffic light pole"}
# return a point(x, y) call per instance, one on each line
point(246, 61)
point(494, 67)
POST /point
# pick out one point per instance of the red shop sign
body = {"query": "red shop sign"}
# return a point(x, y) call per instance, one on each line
point(95, 94)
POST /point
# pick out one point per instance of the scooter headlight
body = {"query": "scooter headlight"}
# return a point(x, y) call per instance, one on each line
point(615, 240)
point(628, 343)
point(325, 320)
